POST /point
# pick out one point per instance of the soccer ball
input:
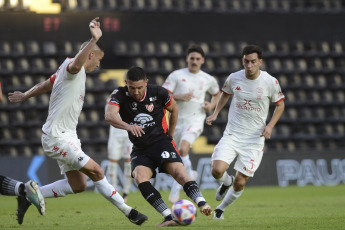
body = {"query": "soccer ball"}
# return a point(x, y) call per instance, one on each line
point(184, 212)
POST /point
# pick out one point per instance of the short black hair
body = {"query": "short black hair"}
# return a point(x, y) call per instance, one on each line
point(195, 48)
point(136, 73)
point(249, 49)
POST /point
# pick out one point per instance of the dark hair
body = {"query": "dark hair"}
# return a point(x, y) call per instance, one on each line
point(249, 49)
point(195, 48)
point(136, 73)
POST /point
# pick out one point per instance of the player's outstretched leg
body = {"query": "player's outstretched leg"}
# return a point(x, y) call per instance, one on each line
point(33, 196)
point(192, 190)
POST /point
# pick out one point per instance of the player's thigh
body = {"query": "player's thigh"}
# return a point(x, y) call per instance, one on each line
point(67, 151)
point(249, 158)
point(192, 132)
point(225, 150)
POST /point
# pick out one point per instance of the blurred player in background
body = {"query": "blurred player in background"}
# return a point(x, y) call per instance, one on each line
point(244, 137)
point(0, 92)
point(60, 140)
point(27, 194)
point(142, 108)
point(188, 87)
point(119, 146)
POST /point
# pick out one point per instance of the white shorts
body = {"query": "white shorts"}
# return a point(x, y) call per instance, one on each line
point(248, 155)
point(66, 150)
point(188, 132)
point(119, 147)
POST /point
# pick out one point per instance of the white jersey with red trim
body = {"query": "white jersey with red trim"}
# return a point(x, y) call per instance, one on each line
point(250, 104)
point(181, 82)
point(66, 101)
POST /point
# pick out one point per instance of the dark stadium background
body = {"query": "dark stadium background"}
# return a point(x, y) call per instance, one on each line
point(303, 44)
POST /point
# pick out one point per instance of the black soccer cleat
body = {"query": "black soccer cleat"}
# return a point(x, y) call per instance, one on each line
point(218, 214)
point(23, 205)
point(136, 217)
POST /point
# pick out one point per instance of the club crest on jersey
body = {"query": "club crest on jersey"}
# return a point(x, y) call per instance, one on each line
point(134, 106)
point(149, 107)
point(153, 98)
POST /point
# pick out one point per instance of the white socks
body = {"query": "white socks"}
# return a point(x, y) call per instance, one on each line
point(127, 176)
point(110, 193)
point(112, 173)
point(226, 179)
point(188, 165)
point(57, 189)
point(229, 198)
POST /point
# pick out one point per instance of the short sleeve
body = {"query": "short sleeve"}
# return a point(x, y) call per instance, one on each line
point(227, 86)
point(115, 98)
point(165, 96)
point(214, 87)
point(170, 82)
point(276, 92)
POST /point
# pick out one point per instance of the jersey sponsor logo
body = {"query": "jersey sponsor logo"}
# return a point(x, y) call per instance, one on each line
point(247, 102)
point(143, 120)
point(165, 154)
point(149, 107)
point(259, 92)
point(238, 88)
point(153, 98)
point(247, 106)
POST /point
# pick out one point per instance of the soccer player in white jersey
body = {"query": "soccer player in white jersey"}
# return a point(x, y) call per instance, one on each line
point(188, 87)
point(251, 90)
point(59, 138)
point(119, 146)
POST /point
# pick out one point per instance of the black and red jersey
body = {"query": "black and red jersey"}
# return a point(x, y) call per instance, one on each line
point(148, 113)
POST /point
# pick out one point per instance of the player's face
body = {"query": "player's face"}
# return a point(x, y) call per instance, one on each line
point(136, 88)
point(195, 61)
point(95, 61)
point(252, 64)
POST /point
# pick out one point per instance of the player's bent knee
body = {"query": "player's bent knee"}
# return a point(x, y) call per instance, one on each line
point(78, 188)
point(216, 173)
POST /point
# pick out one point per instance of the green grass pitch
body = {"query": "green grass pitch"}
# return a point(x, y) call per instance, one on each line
point(258, 208)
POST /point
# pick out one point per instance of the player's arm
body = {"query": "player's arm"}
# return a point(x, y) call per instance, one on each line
point(280, 106)
point(83, 54)
point(224, 97)
point(111, 116)
point(183, 97)
point(173, 110)
point(40, 88)
point(209, 106)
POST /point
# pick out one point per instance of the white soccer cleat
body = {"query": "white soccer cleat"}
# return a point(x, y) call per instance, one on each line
point(218, 214)
point(174, 195)
point(34, 195)
point(222, 190)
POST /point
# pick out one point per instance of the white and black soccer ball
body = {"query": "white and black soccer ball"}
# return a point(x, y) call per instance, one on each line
point(184, 212)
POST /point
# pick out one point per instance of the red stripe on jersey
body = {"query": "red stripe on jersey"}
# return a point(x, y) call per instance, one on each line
point(52, 78)
point(279, 100)
point(112, 103)
point(164, 122)
point(173, 143)
point(226, 93)
point(171, 100)
point(169, 91)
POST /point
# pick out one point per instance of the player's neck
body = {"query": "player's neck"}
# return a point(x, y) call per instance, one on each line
point(253, 77)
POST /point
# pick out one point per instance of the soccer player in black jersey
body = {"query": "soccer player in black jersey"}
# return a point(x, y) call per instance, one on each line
point(142, 108)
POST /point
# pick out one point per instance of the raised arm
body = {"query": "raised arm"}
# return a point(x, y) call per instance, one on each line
point(224, 97)
point(40, 88)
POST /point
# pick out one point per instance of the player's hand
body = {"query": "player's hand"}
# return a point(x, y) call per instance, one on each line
point(16, 97)
point(95, 29)
point(267, 132)
point(211, 118)
point(207, 107)
point(136, 130)
point(187, 96)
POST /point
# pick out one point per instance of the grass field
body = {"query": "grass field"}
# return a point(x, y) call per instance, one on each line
point(258, 208)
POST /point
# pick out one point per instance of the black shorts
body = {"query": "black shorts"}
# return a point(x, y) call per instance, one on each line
point(155, 156)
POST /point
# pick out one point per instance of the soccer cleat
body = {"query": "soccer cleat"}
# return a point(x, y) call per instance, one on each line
point(221, 191)
point(168, 222)
point(23, 205)
point(34, 195)
point(136, 217)
point(174, 195)
point(206, 210)
point(218, 214)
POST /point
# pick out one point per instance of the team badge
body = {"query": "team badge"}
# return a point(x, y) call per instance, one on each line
point(149, 107)
point(134, 106)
